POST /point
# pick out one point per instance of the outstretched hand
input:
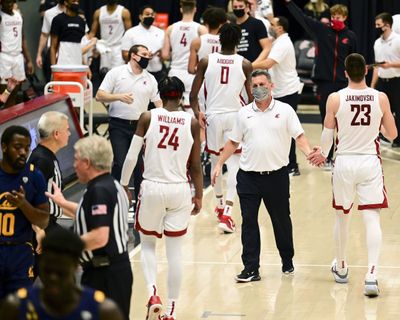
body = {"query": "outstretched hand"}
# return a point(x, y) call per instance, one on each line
point(56, 196)
point(315, 157)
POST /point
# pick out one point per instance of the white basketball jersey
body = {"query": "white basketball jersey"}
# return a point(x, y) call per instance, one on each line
point(111, 25)
point(223, 82)
point(168, 143)
point(209, 43)
point(181, 37)
point(358, 121)
point(11, 33)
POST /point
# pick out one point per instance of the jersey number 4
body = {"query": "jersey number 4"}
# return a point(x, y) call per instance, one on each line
point(183, 40)
point(361, 114)
point(7, 222)
point(173, 139)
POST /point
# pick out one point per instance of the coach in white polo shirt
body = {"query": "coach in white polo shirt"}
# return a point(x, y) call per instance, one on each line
point(281, 63)
point(129, 89)
point(265, 129)
point(150, 36)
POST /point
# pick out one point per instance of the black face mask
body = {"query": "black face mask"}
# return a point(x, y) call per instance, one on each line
point(74, 7)
point(148, 21)
point(143, 62)
point(379, 31)
point(238, 12)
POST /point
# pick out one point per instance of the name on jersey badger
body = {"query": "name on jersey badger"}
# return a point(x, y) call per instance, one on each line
point(225, 61)
point(364, 97)
point(110, 21)
point(168, 119)
point(12, 23)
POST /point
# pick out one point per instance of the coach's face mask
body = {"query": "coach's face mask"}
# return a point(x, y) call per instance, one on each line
point(239, 12)
point(148, 21)
point(143, 62)
point(261, 93)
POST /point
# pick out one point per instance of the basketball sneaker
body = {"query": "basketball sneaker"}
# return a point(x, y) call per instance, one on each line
point(288, 268)
point(247, 276)
point(226, 224)
point(219, 212)
point(154, 308)
point(371, 288)
point(165, 317)
point(341, 276)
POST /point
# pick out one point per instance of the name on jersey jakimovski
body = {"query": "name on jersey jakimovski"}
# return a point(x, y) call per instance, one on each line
point(364, 97)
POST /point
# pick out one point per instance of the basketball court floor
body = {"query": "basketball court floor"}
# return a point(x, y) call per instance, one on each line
point(212, 259)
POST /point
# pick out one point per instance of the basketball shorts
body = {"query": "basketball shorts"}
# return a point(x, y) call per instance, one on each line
point(360, 175)
point(187, 80)
point(16, 268)
point(12, 67)
point(218, 127)
point(163, 208)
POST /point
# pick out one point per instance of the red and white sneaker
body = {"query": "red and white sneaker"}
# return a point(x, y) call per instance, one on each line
point(226, 224)
point(154, 308)
point(219, 212)
point(165, 317)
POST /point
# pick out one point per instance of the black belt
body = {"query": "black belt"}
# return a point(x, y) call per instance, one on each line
point(99, 261)
point(265, 173)
point(389, 79)
point(124, 121)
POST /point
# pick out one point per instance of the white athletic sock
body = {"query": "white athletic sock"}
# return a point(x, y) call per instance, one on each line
point(374, 241)
point(220, 202)
point(149, 262)
point(218, 180)
point(228, 210)
point(173, 247)
point(233, 166)
point(341, 231)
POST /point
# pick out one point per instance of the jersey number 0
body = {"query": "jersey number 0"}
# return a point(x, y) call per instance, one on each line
point(7, 221)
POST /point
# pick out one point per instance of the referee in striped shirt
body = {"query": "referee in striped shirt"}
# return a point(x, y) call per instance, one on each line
point(101, 219)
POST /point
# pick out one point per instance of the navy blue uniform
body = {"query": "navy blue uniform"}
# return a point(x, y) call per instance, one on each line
point(32, 308)
point(16, 254)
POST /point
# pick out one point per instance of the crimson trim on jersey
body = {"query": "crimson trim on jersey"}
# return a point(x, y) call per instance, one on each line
point(175, 233)
point(337, 207)
point(138, 227)
point(382, 205)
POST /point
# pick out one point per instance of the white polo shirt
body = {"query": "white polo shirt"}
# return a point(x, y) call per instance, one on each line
point(152, 38)
point(144, 87)
point(388, 50)
point(283, 73)
point(265, 136)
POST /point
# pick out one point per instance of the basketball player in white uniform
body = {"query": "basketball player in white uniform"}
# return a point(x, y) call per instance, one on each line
point(224, 76)
point(13, 48)
point(113, 20)
point(358, 113)
point(178, 38)
point(165, 199)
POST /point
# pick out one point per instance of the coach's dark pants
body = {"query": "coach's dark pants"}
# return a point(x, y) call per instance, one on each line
point(115, 281)
point(293, 101)
point(392, 88)
point(273, 189)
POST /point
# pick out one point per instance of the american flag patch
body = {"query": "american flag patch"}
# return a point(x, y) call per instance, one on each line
point(99, 209)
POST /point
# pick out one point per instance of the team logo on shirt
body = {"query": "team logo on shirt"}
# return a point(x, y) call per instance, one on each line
point(345, 40)
point(277, 115)
point(4, 203)
point(145, 82)
point(99, 209)
point(25, 179)
point(86, 315)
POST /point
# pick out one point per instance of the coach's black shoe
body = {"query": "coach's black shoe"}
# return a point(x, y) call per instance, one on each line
point(247, 276)
point(287, 267)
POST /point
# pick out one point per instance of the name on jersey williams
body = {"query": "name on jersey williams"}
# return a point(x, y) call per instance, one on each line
point(168, 119)
point(364, 97)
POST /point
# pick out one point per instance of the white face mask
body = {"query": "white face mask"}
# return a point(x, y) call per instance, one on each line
point(261, 93)
point(314, 1)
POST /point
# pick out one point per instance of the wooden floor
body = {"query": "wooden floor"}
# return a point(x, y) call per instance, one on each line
point(212, 259)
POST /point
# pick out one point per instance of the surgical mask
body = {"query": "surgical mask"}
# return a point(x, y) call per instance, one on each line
point(337, 25)
point(143, 62)
point(272, 32)
point(238, 12)
point(148, 21)
point(379, 31)
point(74, 7)
point(261, 93)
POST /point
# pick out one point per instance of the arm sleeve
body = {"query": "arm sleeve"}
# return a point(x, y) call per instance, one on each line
point(46, 26)
point(155, 96)
point(294, 126)
point(260, 30)
point(278, 52)
point(108, 82)
point(101, 207)
point(55, 26)
point(126, 41)
point(313, 27)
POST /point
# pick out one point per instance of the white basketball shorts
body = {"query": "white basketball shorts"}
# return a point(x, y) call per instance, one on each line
point(163, 208)
point(360, 175)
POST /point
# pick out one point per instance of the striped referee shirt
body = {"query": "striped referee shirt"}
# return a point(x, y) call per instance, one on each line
point(104, 204)
point(45, 160)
